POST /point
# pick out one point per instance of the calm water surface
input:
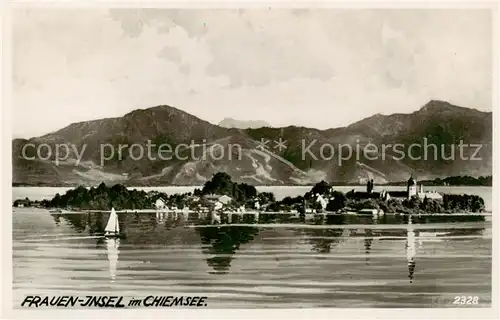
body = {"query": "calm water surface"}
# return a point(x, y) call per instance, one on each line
point(272, 261)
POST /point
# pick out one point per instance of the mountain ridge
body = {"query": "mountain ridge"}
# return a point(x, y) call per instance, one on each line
point(439, 121)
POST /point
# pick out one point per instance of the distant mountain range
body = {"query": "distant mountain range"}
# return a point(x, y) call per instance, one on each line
point(439, 122)
point(240, 124)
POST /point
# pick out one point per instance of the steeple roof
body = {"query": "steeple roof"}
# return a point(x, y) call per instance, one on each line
point(411, 181)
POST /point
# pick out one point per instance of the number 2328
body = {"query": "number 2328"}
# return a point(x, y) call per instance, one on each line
point(466, 300)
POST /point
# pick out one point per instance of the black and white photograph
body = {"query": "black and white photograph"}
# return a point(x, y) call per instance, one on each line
point(251, 157)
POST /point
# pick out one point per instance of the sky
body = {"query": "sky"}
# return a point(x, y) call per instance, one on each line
point(321, 68)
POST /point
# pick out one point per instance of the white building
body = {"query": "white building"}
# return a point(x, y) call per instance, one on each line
point(160, 204)
point(224, 199)
point(215, 218)
point(218, 205)
point(257, 205)
point(415, 190)
point(429, 195)
point(321, 201)
point(214, 198)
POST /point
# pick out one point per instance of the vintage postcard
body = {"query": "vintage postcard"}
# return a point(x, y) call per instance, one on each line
point(319, 160)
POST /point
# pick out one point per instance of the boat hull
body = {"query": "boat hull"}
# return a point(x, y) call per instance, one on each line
point(114, 235)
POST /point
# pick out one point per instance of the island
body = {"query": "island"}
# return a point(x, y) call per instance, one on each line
point(221, 194)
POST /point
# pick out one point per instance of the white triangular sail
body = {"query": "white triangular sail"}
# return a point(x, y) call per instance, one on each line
point(113, 226)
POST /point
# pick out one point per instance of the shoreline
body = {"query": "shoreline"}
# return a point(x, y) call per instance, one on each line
point(222, 195)
point(328, 213)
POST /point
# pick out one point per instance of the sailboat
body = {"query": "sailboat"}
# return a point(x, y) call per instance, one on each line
point(113, 227)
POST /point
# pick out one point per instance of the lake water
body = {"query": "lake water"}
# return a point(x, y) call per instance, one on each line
point(268, 262)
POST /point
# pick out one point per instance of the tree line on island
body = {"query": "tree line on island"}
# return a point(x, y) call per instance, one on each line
point(322, 197)
point(481, 181)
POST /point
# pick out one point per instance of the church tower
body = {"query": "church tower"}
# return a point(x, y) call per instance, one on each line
point(411, 187)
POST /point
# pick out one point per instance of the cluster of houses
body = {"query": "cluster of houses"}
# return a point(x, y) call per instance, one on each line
point(224, 203)
point(212, 202)
point(21, 203)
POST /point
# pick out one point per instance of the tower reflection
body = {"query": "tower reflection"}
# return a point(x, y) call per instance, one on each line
point(368, 244)
point(411, 249)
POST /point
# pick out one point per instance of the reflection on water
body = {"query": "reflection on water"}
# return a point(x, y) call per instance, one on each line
point(258, 261)
point(221, 243)
point(411, 250)
point(368, 244)
point(112, 245)
point(323, 239)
